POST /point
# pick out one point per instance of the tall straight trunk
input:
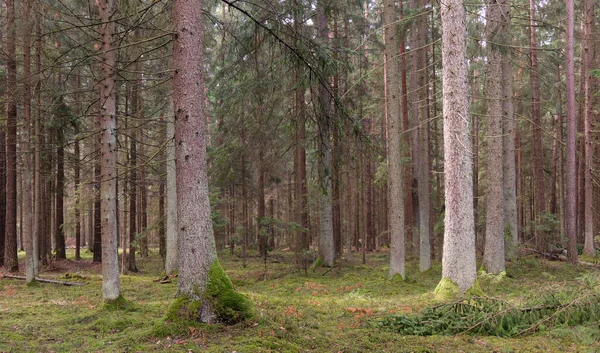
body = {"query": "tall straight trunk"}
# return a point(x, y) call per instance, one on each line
point(395, 179)
point(27, 173)
point(300, 187)
point(493, 256)
point(538, 173)
point(511, 222)
point(143, 206)
point(61, 251)
point(405, 142)
point(202, 283)
point(423, 132)
point(336, 152)
point(111, 286)
point(77, 203)
point(458, 260)
point(37, 182)
point(11, 263)
point(324, 122)
point(131, 263)
point(571, 138)
point(587, 56)
point(172, 259)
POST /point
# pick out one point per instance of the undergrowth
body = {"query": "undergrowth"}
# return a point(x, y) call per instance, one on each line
point(294, 310)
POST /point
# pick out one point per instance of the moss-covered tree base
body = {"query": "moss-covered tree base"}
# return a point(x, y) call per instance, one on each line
point(447, 289)
point(120, 303)
point(220, 302)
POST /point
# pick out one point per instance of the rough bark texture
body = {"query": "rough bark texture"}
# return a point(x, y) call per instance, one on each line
point(587, 56)
point(458, 260)
point(27, 174)
point(423, 164)
point(395, 178)
point(197, 250)
point(111, 287)
point(326, 243)
point(493, 256)
point(538, 156)
point(10, 251)
point(571, 138)
point(172, 259)
point(511, 227)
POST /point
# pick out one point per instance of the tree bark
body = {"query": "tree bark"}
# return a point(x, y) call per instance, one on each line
point(395, 178)
point(172, 259)
point(493, 256)
point(571, 138)
point(458, 260)
point(111, 286)
point(11, 263)
point(587, 56)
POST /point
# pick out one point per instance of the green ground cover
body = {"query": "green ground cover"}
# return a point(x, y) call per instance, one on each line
point(339, 311)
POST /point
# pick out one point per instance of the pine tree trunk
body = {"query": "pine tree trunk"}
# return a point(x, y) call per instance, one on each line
point(11, 263)
point(395, 178)
point(571, 138)
point(172, 259)
point(111, 287)
point(493, 256)
point(538, 173)
point(458, 260)
point(587, 56)
point(511, 222)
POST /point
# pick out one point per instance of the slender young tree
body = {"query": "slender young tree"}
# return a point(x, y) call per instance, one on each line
point(493, 256)
point(172, 258)
point(395, 179)
point(201, 279)
point(111, 286)
point(458, 259)
point(571, 138)
point(27, 174)
point(511, 220)
point(326, 241)
point(587, 57)
point(10, 252)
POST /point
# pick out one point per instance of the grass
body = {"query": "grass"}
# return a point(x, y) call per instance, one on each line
point(293, 311)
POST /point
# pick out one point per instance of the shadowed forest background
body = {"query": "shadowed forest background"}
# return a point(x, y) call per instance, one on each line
point(306, 175)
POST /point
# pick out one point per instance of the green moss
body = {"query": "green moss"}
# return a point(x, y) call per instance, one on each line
point(447, 289)
point(475, 290)
point(120, 303)
point(228, 305)
point(184, 308)
point(318, 263)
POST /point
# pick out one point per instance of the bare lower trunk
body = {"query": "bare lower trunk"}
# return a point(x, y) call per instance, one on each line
point(493, 256)
point(395, 178)
point(458, 260)
point(111, 286)
point(172, 259)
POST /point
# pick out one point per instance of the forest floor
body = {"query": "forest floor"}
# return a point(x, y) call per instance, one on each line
point(295, 311)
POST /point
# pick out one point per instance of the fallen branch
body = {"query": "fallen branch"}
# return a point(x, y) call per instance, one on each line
point(43, 280)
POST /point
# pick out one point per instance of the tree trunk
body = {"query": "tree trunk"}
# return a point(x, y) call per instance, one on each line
point(27, 173)
point(571, 138)
point(131, 263)
point(324, 121)
point(11, 263)
point(587, 56)
point(61, 251)
point(395, 178)
point(111, 286)
point(458, 260)
point(511, 221)
point(201, 278)
point(538, 173)
point(172, 259)
point(493, 256)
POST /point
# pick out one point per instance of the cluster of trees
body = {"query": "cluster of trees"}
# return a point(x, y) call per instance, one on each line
point(342, 126)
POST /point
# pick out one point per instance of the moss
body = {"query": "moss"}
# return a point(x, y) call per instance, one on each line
point(318, 263)
point(475, 290)
point(184, 308)
point(228, 305)
point(447, 289)
point(120, 303)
